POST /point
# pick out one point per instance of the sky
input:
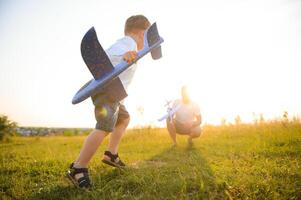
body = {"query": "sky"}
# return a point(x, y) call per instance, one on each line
point(238, 57)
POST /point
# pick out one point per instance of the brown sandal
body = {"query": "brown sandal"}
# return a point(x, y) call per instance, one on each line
point(114, 160)
point(83, 182)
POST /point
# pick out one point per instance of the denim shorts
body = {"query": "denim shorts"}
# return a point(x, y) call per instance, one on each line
point(108, 114)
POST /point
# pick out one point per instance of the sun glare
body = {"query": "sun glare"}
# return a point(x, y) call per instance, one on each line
point(237, 58)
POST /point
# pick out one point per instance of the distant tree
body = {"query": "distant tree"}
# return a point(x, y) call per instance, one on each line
point(261, 119)
point(285, 119)
point(76, 131)
point(237, 120)
point(255, 120)
point(285, 116)
point(7, 127)
point(223, 121)
point(296, 120)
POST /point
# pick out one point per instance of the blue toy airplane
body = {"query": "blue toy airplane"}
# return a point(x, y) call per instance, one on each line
point(105, 74)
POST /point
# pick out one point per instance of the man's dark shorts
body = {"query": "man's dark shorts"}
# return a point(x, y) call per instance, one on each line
point(108, 114)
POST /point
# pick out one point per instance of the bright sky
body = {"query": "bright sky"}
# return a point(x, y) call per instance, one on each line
point(239, 57)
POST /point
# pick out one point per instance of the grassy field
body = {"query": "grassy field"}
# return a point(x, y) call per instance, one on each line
point(227, 162)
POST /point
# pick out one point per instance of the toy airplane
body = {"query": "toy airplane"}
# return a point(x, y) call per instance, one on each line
point(105, 74)
point(170, 111)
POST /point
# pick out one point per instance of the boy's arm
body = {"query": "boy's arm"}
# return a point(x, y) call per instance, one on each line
point(120, 51)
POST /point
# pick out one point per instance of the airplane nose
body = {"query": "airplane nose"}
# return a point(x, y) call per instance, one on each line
point(74, 101)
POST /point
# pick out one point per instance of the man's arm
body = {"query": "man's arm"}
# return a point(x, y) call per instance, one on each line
point(198, 120)
point(198, 116)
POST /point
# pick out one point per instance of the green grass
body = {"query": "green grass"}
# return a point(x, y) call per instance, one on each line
point(239, 162)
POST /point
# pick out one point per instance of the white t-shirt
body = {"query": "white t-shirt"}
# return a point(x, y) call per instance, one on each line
point(116, 52)
point(186, 112)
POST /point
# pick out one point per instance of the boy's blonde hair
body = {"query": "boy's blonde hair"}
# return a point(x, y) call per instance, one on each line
point(136, 22)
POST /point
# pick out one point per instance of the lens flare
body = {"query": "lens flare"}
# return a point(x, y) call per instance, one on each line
point(103, 112)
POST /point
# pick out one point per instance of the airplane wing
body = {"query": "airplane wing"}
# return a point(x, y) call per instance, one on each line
point(94, 55)
point(99, 65)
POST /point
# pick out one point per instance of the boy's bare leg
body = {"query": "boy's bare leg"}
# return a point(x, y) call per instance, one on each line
point(116, 136)
point(91, 145)
point(195, 133)
point(172, 131)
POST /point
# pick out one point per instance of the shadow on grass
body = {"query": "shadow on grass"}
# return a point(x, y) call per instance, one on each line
point(184, 173)
point(176, 173)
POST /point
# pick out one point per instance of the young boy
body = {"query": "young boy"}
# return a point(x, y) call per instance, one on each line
point(111, 116)
point(186, 120)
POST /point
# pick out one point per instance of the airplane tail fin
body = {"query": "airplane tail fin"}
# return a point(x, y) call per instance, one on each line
point(152, 38)
point(94, 56)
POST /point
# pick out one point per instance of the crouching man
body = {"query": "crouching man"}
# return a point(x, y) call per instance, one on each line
point(186, 120)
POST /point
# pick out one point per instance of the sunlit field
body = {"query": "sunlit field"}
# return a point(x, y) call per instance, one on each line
point(259, 161)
